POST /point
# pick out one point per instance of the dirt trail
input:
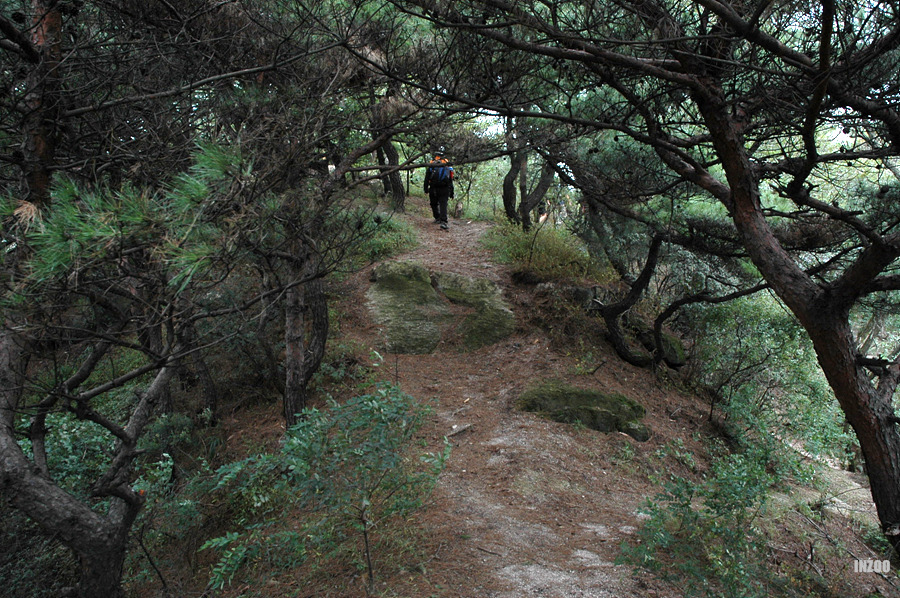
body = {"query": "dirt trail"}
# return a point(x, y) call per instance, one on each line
point(526, 507)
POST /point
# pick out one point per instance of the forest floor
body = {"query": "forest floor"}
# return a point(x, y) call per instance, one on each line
point(532, 508)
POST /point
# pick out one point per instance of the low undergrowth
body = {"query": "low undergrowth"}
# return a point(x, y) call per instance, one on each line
point(547, 253)
point(342, 473)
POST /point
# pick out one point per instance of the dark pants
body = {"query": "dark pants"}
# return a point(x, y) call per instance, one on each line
point(439, 197)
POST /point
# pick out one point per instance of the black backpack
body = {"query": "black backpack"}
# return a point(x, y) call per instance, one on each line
point(441, 173)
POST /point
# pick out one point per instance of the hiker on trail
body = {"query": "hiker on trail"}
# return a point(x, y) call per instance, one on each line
point(439, 186)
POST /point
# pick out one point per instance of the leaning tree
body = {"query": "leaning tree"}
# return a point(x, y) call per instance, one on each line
point(758, 107)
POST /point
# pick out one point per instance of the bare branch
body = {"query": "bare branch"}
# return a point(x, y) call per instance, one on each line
point(18, 42)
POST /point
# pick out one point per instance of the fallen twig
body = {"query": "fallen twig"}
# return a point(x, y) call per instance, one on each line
point(459, 430)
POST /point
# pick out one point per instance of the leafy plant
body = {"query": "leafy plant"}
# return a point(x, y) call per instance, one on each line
point(347, 468)
point(549, 253)
point(704, 535)
point(389, 237)
point(763, 371)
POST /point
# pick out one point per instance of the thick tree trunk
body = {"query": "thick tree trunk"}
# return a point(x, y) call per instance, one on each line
point(385, 181)
point(99, 541)
point(530, 202)
point(151, 338)
point(512, 176)
point(398, 194)
point(305, 333)
point(270, 311)
point(869, 411)
point(42, 99)
point(101, 573)
point(509, 191)
point(294, 340)
point(386, 152)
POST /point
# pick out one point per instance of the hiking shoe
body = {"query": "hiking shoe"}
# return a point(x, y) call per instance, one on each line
point(444, 226)
point(436, 221)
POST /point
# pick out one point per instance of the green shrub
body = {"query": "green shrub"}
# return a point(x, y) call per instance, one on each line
point(346, 468)
point(548, 253)
point(764, 367)
point(704, 535)
point(388, 235)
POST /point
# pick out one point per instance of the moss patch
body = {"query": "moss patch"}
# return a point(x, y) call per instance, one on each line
point(408, 308)
point(487, 325)
point(611, 412)
point(465, 290)
point(415, 312)
point(674, 353)
point(490, 321)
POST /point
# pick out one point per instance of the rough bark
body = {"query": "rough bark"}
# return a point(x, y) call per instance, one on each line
point(385, 181)
point(395, 181)
point(42, 99)
point(824, 314)
point(305, 333)
point(869, 412)
point(512, 176)
point(509, 189)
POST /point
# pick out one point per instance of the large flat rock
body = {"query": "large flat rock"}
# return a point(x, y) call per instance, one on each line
point(417, 308)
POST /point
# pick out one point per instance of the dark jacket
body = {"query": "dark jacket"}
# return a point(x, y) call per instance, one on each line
point(431, 175)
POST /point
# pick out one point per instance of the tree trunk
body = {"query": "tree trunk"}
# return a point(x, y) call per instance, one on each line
point(612, 313)
point(151, 338)
point(512, 176)
point(536, 196)
point(305, 333)
point(869, 411)
point(385, 181)
point(824, 314)
point(99, 541)
point(42, 99)
point(398, 195)
point(101, 573)
point(509, 190)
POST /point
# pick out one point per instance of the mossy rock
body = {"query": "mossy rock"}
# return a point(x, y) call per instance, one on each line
point(487, 325)
point(491, 319)
point(414, 312)
point(465, 290)
point(674, 353)
point(407, 306)
point(407, 278)
point(605, 412)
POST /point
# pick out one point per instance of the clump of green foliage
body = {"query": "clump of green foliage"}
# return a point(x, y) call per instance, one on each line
point(766, 377)
point(705, 535)
point(388, 236)
point(341, 472)
point(548, 253)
